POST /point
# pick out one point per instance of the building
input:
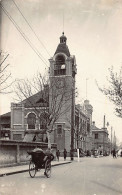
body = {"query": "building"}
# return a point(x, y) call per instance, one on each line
point(83, 127)
point(101, 142)
point(72, 127)
point(5, 126)
point(63, 71)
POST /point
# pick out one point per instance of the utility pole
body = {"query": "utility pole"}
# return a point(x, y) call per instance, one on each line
point(103, 132)
point(72, 125)
point(86, 87)
point(111, 138)
point(114, 140)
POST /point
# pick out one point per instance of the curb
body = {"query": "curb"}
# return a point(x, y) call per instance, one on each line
point(61, 164)
point(22, 171)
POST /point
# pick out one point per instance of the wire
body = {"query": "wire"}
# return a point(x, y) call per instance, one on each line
point(23, 35)
point(30, 27)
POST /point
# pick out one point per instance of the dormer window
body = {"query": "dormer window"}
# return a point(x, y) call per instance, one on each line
point(60, 67)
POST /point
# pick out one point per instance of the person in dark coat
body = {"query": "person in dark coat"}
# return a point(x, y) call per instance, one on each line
point(114, 153)
point(57, 154)
point(121, 153)
point(65, 154)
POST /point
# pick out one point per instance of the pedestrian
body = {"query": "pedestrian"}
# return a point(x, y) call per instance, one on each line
point(114, 153)
point(121, 153)
point(57, 154)
point(65, 154)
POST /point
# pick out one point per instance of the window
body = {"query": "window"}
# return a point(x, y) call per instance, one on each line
point(96, 135)
point(31, 120)
point(60, 67)
point(60, 59)
point(88, 127)
point(81, 125)
point(59, 72)
point(59, 129)
point(17, 137)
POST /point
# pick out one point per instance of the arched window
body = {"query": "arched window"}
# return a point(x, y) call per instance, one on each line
point(60, 59)
point(31, 120)
point(60, 67)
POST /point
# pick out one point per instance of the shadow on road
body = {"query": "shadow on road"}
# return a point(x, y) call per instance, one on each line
point(108, 187)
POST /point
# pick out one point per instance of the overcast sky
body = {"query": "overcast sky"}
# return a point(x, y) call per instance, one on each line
point(94, 35)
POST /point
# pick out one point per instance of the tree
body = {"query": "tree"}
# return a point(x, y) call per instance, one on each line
point(114, 90)
point(52, 98)
point(4, 74)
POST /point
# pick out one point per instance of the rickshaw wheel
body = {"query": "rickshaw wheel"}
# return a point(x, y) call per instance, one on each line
point(32, 169)
point(47, 168)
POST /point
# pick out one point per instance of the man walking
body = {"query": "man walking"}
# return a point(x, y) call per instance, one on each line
point(57, 154)
point(65, 154)
point(114, 153)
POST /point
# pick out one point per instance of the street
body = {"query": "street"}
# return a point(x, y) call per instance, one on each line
point(90, 176)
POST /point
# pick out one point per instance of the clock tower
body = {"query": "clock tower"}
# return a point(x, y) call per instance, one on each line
point(62, 85)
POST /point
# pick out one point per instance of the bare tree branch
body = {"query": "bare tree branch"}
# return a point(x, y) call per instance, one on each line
point(5, 82)
point(114, 90)
point(55, 93)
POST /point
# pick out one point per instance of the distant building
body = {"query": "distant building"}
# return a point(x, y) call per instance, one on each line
point(101, 142)
point(83, 122)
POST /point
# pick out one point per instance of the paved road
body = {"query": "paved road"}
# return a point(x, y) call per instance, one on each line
point(90, 176)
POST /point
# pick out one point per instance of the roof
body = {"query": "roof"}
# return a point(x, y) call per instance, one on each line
point(8, 114)
point(63, 48)
point(94, 128)
point(5, 118)
point(40, 99)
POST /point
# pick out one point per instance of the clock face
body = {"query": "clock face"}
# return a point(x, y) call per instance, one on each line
point(63, 66)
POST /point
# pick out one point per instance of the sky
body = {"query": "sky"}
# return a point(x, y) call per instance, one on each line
point(94, 35)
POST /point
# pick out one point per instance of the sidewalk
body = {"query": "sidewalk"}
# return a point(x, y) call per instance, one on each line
point(24, 168)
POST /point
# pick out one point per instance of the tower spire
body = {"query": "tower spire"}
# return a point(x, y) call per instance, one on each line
point(63, 38)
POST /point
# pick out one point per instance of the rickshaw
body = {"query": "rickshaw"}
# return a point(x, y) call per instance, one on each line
point(40, 160)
